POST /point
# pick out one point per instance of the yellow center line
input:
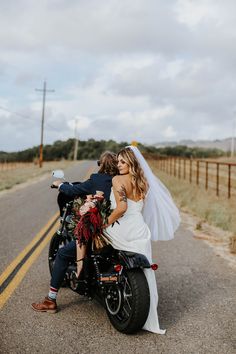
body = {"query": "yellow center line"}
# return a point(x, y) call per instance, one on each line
point(26, 266)
point(23, 253)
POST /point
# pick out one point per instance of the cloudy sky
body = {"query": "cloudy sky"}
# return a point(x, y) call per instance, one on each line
point(145, 70)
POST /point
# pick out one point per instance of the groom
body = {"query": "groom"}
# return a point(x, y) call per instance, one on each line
point(98, 181)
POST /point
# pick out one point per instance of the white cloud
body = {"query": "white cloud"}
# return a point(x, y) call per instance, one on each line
point(79, 123)
point(193, 13)
point(169, 132)
point(131, 70)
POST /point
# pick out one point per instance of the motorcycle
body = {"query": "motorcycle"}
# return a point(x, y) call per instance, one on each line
point(113, 277)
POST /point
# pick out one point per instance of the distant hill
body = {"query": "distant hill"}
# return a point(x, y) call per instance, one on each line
point(224, 144)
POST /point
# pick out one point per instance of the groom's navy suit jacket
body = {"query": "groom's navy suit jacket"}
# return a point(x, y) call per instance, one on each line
point(96, 182)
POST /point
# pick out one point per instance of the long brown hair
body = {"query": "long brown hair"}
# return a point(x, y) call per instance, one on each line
point(138, 180)
point(108, 163)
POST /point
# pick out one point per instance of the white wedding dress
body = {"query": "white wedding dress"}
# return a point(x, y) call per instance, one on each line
point(132, 234)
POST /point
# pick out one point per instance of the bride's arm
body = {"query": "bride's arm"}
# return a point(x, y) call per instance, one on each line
point(121, 200)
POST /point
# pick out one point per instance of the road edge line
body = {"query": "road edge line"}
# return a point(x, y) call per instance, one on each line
point(24, 269)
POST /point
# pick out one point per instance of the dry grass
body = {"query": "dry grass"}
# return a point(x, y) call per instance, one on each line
point(24, 173)
point(224, 159)
point(217, 211)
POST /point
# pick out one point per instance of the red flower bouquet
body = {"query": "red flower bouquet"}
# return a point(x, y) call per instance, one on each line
point(90, 216)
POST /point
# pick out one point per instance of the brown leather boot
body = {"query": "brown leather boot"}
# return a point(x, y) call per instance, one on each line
point(47, 305)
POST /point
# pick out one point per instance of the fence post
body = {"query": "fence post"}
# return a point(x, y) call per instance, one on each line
point(217, 179)
point(190, 170)
point(197, 174)
point(179, 170)
point(184, 167)
point(206, 182)
point(175, 166)
point(229, 180)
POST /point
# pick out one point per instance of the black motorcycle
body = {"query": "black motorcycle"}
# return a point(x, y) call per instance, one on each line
point(115, 278)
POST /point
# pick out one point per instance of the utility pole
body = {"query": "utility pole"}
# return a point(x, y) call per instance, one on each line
point(44, 90)
point(76, 141)
point(232, 139)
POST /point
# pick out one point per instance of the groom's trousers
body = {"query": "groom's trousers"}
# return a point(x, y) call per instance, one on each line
point(64, 256)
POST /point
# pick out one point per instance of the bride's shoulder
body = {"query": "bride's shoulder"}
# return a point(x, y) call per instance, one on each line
point(119, 178)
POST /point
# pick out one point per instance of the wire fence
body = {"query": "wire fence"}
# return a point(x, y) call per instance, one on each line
point(219, 176)
point(7, 166)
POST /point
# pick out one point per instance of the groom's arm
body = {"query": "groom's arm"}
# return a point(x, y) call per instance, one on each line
point(77, 189)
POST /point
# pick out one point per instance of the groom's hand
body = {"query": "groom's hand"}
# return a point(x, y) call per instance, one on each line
point(56, 183)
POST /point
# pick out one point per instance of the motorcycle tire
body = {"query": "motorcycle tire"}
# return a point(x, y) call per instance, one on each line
point(127, 304)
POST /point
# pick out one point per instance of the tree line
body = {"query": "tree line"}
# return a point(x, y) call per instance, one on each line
point(91, 149)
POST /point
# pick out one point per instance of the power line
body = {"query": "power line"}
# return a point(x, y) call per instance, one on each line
point(16, 113)
point(233, 138)
point(26, 117)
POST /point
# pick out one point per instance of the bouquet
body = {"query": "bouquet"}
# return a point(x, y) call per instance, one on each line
point(89, 217)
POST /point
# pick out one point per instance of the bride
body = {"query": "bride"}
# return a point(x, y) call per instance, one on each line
point(145, 211)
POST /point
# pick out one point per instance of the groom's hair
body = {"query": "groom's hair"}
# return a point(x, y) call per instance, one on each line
point(108, 163)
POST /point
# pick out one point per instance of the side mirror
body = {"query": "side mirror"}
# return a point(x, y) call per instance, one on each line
point(58, 174)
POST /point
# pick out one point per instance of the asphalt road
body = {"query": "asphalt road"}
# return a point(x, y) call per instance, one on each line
point(197, 302)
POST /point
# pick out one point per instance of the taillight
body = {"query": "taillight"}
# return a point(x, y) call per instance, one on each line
point(154, 266)
point(118, 268)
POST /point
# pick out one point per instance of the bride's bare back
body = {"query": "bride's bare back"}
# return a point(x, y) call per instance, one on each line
point(123, 185)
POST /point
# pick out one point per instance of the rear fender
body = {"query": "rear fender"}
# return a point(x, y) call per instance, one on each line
point(131, 260)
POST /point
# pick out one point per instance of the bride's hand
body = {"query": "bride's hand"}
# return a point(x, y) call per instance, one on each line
point(105, 226)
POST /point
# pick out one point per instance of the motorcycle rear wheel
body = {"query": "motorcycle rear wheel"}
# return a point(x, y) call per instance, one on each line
point(127, 304)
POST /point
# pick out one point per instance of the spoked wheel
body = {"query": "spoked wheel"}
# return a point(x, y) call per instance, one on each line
point(127, 303)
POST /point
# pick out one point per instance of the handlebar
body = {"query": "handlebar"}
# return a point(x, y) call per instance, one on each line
point(72, 184)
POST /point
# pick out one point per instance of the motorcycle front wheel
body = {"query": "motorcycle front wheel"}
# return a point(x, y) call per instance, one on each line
point(127, 303)
point(57, 241)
